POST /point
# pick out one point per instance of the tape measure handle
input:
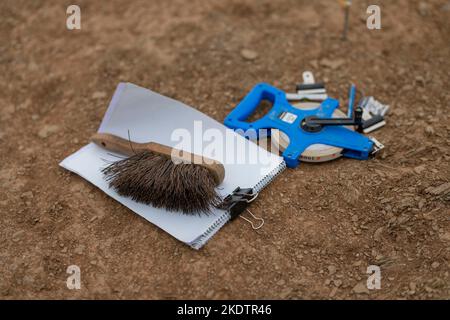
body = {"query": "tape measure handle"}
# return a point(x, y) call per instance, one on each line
point(355, 145)
point(237, 118)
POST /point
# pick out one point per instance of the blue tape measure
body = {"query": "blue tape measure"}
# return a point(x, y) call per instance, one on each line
point(288, 119)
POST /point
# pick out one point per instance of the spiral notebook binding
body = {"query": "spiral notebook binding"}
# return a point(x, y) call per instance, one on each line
point(226, 216)
point(219, 223)
point(268, 178)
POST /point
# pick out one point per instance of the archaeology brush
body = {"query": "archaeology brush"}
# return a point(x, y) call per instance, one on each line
point(162, 176)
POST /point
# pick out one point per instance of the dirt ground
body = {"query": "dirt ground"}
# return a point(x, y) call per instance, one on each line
point(324, 223)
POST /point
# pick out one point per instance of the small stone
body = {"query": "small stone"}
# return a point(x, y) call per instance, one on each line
point(16, 236)
point(420, 169)
point(412, 286)
point(445, 236)
point(210, 294)
point(361, 288)
point(281, 282)
point(379, 257)
point(333, 292)
point(35, 117)
point(249, 54)
point(331, 269)
point(79, 249)
point(27, 195)
point(429, 130)
point(423, 8)
point(420, 81)
point(99, 95)
point(314, 64)
point(441, 189)
point(435, 265)
point(337, 283)
point(446, 7)
point(378, 233)
point(285, 293)
point(25, 105)
point(332, 64)
point(47, 130)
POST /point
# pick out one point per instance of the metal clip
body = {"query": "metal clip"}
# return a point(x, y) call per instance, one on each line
point(308, 90)
point(377, 146)
point(237, 201)
point(308, 77)
point(254, 217)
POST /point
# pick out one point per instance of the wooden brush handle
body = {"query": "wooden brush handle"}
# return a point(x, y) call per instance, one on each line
point(129, 148)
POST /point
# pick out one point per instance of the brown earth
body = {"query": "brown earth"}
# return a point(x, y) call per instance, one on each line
point(324, 223)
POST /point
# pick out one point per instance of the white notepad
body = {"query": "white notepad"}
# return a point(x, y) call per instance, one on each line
point(149, 116)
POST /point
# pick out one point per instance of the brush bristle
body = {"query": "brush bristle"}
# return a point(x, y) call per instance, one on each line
point(154, 179)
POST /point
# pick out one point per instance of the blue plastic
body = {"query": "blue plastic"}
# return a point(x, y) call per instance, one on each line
point(354, 144)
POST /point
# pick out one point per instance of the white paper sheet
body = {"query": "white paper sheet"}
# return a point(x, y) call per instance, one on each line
point(149, 116)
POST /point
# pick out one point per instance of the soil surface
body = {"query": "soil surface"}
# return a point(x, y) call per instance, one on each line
point(325, 224)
